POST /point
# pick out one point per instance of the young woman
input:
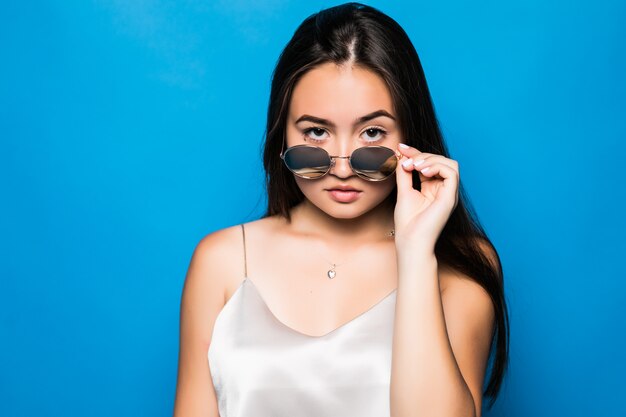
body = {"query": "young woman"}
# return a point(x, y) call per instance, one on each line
point(368, 288)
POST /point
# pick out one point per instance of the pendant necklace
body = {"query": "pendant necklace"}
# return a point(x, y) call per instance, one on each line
point(331, 273)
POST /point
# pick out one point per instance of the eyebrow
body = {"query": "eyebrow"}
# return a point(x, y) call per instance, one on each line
point(362, 119)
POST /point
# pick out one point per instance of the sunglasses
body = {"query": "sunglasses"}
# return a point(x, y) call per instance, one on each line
point(372, 163)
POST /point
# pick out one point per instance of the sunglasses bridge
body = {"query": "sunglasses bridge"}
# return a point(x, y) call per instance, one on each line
point(333, 157)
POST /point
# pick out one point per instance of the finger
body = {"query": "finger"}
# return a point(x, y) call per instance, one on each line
point(424, 159)
point(417, 156)
point(407, 150)
point(450, 179)
point(404, 175)
point(430, 169)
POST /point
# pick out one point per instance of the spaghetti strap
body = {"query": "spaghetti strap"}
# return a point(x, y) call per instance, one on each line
point(245, 261)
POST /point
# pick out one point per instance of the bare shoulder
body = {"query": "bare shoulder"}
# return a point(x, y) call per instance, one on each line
point(212, 255)
point(218, 261)
point(461, 294)
point(217, 251)
point(215, 262)
point(206, 281)
point(449, 276)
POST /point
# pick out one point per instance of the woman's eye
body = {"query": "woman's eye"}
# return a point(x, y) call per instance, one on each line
point(315, 133)
point(374, 134)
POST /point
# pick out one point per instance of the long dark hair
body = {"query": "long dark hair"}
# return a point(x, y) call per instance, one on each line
point(354, 32)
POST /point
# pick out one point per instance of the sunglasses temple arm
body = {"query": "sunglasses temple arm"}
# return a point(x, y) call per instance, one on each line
point(282, 147)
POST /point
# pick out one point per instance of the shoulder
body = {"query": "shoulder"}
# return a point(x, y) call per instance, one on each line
point(216, 259)
point(219, 245)
point(219, 256)
point(214, 253)
point(460, 291)
point(465, 300)
point(226, 245)
point(449, 276)
point(211, 264)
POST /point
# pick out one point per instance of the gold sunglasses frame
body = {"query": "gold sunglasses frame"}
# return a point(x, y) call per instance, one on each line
point(332, 161)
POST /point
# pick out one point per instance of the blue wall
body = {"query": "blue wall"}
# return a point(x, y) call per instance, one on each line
point(129, 130)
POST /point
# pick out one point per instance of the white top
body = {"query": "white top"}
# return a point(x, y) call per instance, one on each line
point(261, 367)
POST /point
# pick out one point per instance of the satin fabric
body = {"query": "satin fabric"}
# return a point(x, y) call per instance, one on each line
point(260, 367)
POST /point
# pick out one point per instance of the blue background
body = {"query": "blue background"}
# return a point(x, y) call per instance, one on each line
point(131, 129)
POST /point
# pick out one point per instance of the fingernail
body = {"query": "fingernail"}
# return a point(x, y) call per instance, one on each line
point(404, 146)
point(425, 170)
point(407, 163)
point(418, 162)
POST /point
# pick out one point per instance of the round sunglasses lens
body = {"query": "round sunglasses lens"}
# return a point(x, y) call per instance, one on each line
point(307, 161)
point(374, 162)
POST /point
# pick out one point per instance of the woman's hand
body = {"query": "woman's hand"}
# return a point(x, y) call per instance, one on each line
point(420, 216)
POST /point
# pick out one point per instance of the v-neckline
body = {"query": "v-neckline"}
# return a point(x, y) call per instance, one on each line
point(246, 280)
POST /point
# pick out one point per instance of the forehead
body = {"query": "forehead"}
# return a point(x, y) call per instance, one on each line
point(339, 93)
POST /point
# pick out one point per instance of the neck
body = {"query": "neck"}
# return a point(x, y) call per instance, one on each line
point(370, 227)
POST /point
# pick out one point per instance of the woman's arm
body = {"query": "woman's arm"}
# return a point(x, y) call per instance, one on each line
point(202, 300)
point(441, 340)
point(441, 335)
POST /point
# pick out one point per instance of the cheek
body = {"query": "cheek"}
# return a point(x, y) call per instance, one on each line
point(310, 188)
point(382, 189)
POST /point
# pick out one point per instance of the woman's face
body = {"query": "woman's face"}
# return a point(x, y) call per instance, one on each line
point(341, 109)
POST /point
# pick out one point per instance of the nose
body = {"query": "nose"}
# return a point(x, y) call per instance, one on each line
point(340, 166)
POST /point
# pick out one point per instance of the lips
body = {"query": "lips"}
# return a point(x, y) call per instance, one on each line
point(344, 194)
point(343, 188)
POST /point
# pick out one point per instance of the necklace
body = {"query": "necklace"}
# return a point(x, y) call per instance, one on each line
point(331, 273)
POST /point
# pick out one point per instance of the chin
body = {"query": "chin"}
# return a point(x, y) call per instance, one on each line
point(344, 216)
point(344, 211)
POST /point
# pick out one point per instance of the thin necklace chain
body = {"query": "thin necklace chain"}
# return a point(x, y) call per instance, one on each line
point(331, 273)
